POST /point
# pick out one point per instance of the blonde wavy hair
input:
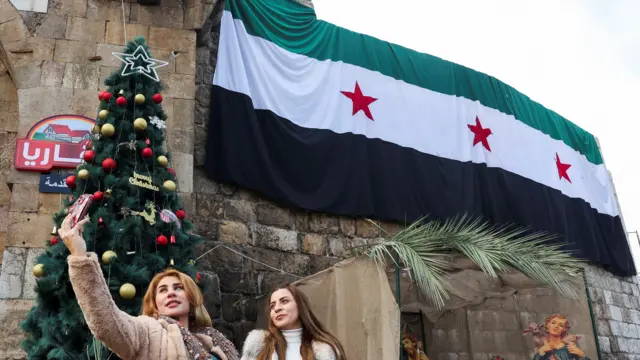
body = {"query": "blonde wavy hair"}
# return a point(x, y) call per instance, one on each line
point(198, 315)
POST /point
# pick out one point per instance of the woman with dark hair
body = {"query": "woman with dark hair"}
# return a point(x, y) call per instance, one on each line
point(294, 332)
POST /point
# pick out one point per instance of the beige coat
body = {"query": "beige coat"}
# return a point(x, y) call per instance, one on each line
point(130, 337)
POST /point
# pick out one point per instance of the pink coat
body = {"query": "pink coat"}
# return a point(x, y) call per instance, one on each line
point(130, 337)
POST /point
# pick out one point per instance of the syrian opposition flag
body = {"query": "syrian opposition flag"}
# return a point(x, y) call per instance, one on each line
point(329, 120)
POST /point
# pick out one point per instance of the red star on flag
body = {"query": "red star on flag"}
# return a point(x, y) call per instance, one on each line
point(562, 169)
point(360, 102)
point(480, 134)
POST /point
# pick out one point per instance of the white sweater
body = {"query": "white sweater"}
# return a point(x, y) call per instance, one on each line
point(255, 341)
point(294, 341)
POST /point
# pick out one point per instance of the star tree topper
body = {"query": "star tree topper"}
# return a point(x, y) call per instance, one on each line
point(140, 62)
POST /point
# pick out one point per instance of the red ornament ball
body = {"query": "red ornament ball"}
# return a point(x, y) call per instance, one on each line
point(148, 142)
point(157, 98)
point(106, 96)
point(54, 240)
point(97, 196)
point(101, 94)
point(171, 171)
point(181, 214)
point(121, 101)
point(109, 164)
point(89, 155)
point(147, 152)
point(162, 240)
point(71, 181)
point(198, 277)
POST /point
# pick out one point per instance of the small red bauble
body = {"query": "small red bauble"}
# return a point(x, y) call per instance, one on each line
point(89, 155)
point(170, 170)
point(97, 196)
point(71, 181)
point(157, 98)
point(181, 214)
point(106, 96)
point(54, 240)
point(101, 94)
point(109, 164)
point(148, 142)
point(147, 152)
point(162, 240)
point(198, 277)
point(100, 222)
point(121, 101)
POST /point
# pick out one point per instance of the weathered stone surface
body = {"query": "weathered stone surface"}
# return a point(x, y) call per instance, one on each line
point(324, 224)
point(172, 39)
point(2, 236)
point(209, 206)
point(27, 75)
point(72, 51)
point(28, 229)
point(182, 119)
point(48, 203)
point(203, 95)
point(195, 17)
point(366, 229)
point(13, 30)
point(105, 72)
point(274, 238)
point(296, 264)
point(270, 281)
point(115, 32)
point(318, 263)
point(22, 177)
point(231, 310)
point(82, 29)
point(107, 10)
point(83, 102)
point(270, 214)
point(9, 116)
point(238, 282)
point(38, 103)
point(314, 244)
point(211, 293)
point(42, 49)
point(269, 260)
point(221, 257)
point(12, 273)
point(301, 221)
point(8, 12)
point(24, 197)
point(239, 210)
point(180, 86)
point(4, 219)
point(105, 50)
point(168, 17)
point(53, 26)
point(81, 76)
point(69, 7)
point(183, 165)
point(28, 291)
point(336, 245)
point(52, 73)
point(12, 313)
point(347, 226)
point(164, 55)
point(236, 233)
point(202, 183)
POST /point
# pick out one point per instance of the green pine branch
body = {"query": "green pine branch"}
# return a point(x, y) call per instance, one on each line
point(425, 246)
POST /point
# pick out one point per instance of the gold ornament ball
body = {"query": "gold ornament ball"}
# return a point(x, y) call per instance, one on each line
point(107, 193)
point(83, 174)
point(38, 270)
point(127, 291)
point(139, 99)
point(162, 160)
point(103, 114)
point(95, 129)
point(140, 124)
point(169, 185)
point(108, 130)
point(108, 256)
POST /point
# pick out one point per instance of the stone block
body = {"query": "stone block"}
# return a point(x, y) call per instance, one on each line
point(231, 310)
point(183, 111)
point(613, 312)
point(616, 328)
point(8, 12)
point(236, 233)
point(24, 197)
point(202, 183)
point(296, 264)
point(69, 7)
point(2, 236)
point(180, 86)
point(27, 75)
point(185, 66)
point(203, 95)
point(194, 17)
point(72, 51)
point(347, 226)
point(607, 296)
point(4, 219)
point(164, 55)
point(42, 50)
point(13, 31)
point(603, 327)
point(12, 273)
point(29, 290)
point(239, 210)
point(179, 140)
point(318, 263)
point(605, 345)
point(105, 50)
point(270, 214)
point(211, 292)
point(314, 244)
point(336, 245)
point(115, 33)
point(49, 203)
point(81, 76)
point(84, 102)
point(219, 258)
point(12, 313)
point(22, 177)
point(261, 259)
point(324, 224)
point(301, 221)
point(83, 29)
point(366, 229)
point(270, 281)
point(209, 205)
point(168, 17)
point(107, 10)
point(238, 282)
point(274, 238)
point(36, 104)
point(53, 26)
point(5, 194)
point(172, 39)
point(28, 229)
point(52, 74)
point(105, 72)
point(183, 165)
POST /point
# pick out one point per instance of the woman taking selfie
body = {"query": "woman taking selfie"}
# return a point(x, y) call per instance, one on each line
point(294, 332)
point(174, 323)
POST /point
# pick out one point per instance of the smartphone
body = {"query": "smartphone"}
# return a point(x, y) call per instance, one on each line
point(80, 208)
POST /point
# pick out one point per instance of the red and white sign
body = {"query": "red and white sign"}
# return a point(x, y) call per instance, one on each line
point(55, 142)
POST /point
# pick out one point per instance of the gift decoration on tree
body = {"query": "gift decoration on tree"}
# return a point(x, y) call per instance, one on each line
point(128, 189)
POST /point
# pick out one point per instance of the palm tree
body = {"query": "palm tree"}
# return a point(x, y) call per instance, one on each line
point(427, 246)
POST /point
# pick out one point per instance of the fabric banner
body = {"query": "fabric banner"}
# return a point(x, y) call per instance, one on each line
point(326, 119)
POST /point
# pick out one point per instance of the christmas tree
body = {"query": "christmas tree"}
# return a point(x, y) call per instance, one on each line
point(137, 226)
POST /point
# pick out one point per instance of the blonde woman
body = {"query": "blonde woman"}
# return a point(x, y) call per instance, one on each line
point(174, 324)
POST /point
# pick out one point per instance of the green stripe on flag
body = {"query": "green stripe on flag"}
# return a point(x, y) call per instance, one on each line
point(295, 28)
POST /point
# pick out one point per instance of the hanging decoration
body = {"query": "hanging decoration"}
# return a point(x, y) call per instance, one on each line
point(157, 122)
point(139, 62)
point(168, 217)
point(149, 216)
point(144, 181)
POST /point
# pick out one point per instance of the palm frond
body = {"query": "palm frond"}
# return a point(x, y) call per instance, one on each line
point(424, 245)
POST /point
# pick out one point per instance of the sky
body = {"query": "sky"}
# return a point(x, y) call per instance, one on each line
point(580, 58)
